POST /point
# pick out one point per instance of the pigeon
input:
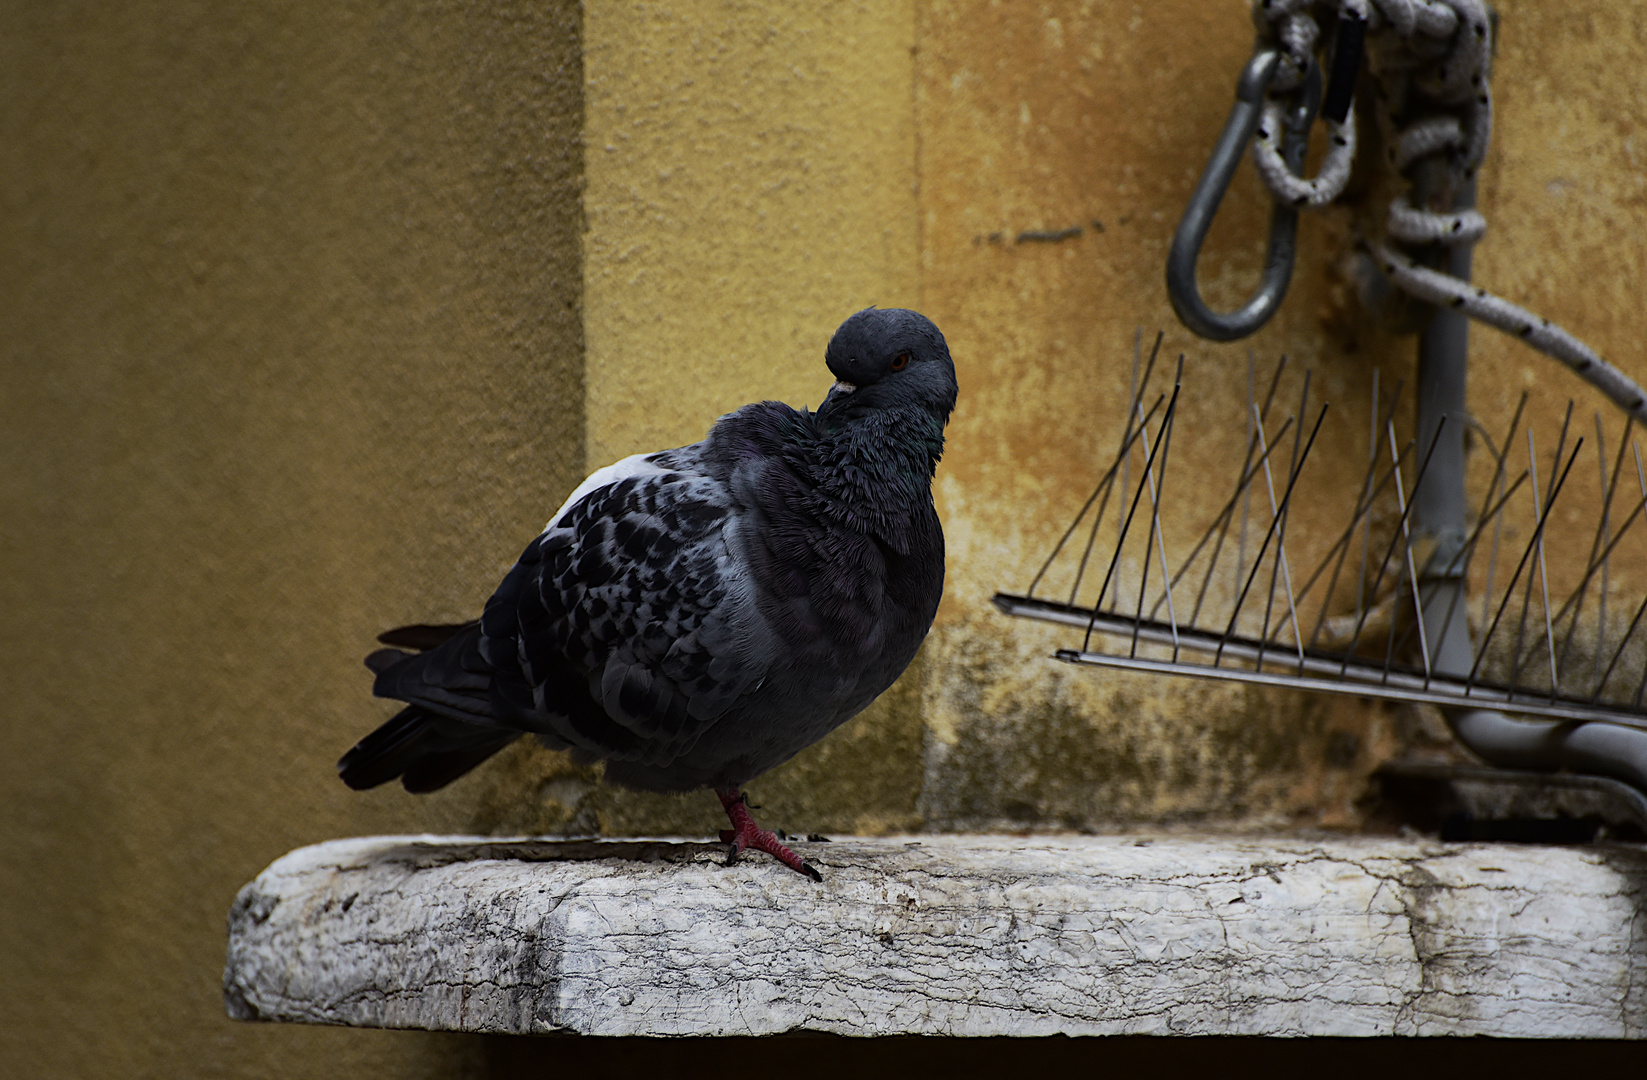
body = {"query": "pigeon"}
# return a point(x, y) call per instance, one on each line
point(697, 616)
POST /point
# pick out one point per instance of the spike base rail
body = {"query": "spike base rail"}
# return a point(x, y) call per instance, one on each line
point(1312, 669)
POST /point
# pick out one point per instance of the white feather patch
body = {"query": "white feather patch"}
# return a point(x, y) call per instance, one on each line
point(634, 465)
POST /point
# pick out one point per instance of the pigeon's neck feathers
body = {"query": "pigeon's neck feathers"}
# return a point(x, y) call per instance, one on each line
point(871, 473)
point(883, 459)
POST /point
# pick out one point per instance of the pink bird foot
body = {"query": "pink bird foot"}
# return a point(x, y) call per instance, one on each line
point(745, 834)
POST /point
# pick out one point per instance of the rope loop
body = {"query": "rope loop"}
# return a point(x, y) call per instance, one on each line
point(1295, 190)
point(1413, 226)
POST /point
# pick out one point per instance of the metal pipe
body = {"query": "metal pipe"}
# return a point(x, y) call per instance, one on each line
point(1439, 510)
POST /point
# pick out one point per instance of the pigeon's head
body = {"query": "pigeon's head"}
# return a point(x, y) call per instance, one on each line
point(888, 358)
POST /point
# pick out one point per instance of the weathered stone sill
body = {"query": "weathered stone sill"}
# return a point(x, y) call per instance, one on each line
point(950, 935)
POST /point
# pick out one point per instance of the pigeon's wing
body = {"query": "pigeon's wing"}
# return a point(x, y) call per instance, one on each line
point(627, 627)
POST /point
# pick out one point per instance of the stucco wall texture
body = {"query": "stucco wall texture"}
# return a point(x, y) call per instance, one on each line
point(292, 352)
point(312, 313)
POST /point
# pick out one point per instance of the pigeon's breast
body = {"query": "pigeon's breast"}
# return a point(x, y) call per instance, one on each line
point(847, 609)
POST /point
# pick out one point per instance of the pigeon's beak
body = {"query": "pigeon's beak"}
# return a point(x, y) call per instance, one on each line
point(849, 371)
point(846, 379)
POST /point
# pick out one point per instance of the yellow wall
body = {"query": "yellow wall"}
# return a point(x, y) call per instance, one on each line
point(291, 337)
point(750, 182)
point(311, 315)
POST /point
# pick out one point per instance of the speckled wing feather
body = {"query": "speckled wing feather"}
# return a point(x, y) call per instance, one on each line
point(624, 630)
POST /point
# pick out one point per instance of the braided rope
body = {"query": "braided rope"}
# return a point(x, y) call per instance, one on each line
point(1431, 59)
point(1437, 288)
point(1413, 226)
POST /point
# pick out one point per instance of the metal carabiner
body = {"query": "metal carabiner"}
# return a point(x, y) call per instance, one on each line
point(1192, 311)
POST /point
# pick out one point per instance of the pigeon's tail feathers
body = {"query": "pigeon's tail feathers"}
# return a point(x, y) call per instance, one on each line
point(448, 726)
point(451, 678)
point(425, 750)
point(423, 637)
point(386, 752)
point(435, 770)
point(384, 659)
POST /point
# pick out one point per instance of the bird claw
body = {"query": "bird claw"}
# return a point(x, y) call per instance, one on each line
point(745, 834)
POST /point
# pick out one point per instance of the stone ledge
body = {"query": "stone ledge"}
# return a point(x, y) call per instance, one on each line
point(949, 935)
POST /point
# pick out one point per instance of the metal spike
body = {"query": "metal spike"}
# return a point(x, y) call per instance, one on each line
point(1126, 462)
point(1280, 561)
point(1107, 484)
point(1527, 593)
point(1126, 526)
point(1220, 525)
point(1396, 675)
point(1275, 520)
point(1341, 548)
point(1243, 491)
point(1526, 554)
point(1292, 483)
point(1611, 487)
point(1363, 509)
point(1466, 552)
point(1363, 596)
point(1263, 415)
point(1518, 660)
point(1407, 543)
point(1281, 537)
point(1389, 551)
point(1498, 528)
point(1155, 480)
point(1602, 682)
point(1544, 581)
point(1104, 484)
point(1576, 598)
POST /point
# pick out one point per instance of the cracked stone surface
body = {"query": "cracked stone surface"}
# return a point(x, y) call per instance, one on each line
point(950, 935)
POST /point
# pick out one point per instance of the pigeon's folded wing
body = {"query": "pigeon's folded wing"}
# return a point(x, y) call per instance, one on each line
point(628, 627)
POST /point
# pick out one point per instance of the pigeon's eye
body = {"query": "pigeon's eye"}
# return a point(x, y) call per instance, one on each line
point(900, 361)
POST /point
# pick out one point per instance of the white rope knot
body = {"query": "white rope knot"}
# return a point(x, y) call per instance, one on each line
point(1425, 138)
point(1430, 58)
point(1287, 24)
point(1432, 18)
